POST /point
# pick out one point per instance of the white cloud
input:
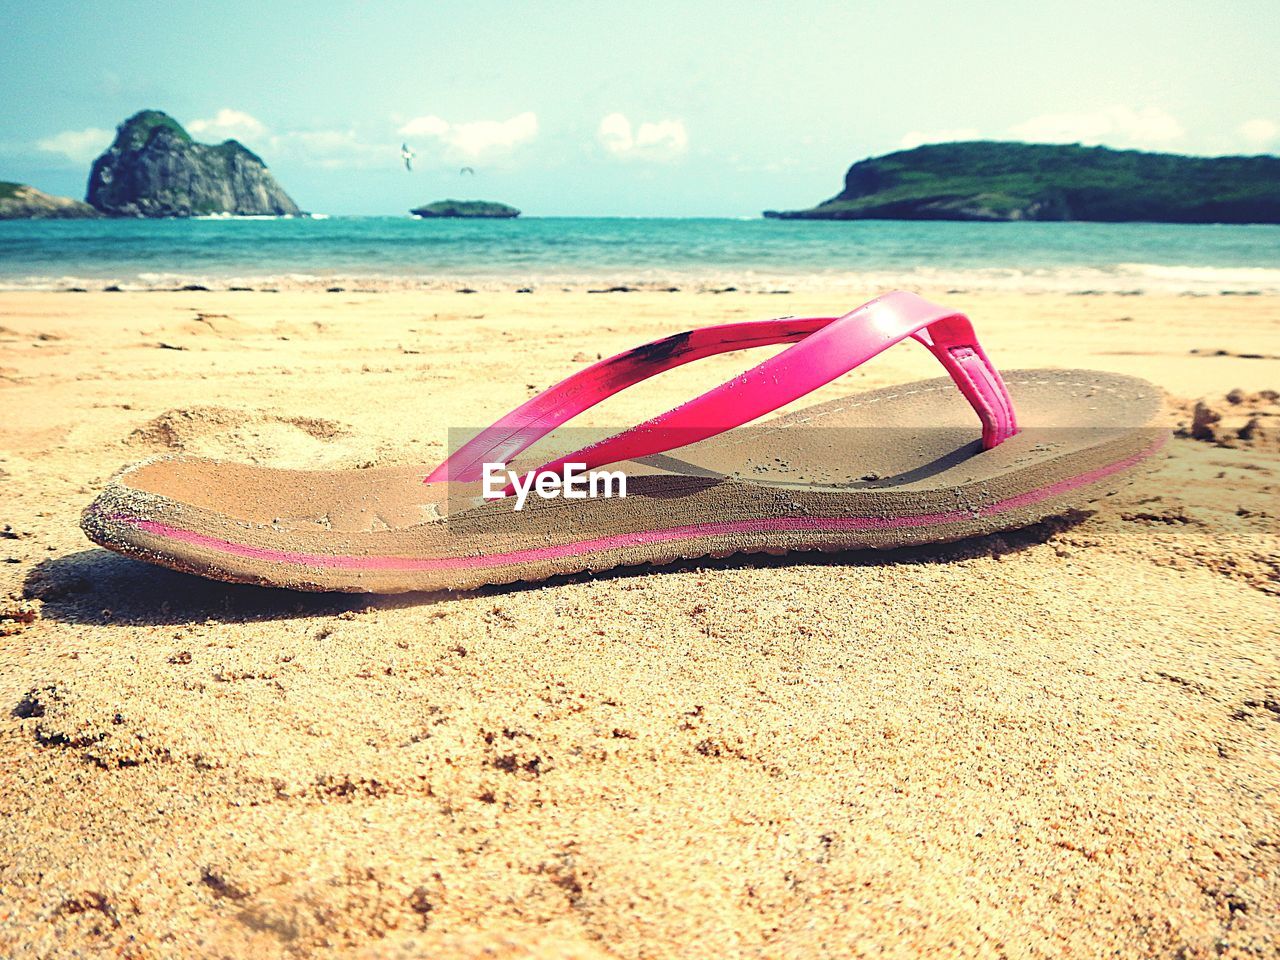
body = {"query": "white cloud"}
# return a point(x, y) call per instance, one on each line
point(425, 127)
point(80, 146)
point(916, 138)
point(1260, 132)
point(659, 140)
point(664, 134)
point(334, 149)
point(228, 124)
point(615, 133)
point(1115, 126)
point(476, 138)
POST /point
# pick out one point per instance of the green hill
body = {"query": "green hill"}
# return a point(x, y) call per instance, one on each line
point(987, 180)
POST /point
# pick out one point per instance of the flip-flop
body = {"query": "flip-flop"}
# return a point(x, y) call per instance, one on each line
point(889, 468)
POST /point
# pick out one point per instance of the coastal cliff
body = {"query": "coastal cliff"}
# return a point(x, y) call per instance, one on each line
point(21, 202)
point(986, 180)
point(479, 209)
point(155, 169)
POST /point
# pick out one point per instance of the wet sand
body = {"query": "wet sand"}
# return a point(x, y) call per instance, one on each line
point(1059, 742)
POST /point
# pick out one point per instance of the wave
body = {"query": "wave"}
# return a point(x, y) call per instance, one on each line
point(259, 216)
point(1121, 278)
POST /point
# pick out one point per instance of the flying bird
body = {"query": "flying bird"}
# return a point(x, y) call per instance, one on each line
point(470, 170)
point(407, 156)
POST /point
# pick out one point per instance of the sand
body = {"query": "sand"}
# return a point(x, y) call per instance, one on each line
point(1059, 742)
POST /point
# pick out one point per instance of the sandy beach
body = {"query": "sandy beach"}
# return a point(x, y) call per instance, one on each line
point(1062, 741)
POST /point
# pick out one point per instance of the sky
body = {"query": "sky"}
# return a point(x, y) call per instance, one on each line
point(660, 108)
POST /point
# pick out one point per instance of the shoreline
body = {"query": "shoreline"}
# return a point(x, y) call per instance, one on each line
point(1070, 284)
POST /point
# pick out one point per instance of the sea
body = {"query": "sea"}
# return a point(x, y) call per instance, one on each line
point(601, 253)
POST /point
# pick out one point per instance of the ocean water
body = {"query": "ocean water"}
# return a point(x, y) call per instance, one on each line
point(760, 254)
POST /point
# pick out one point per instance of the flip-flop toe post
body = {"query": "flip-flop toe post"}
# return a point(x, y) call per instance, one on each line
point(967, 454)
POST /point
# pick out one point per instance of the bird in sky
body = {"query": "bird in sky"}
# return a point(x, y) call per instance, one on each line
point(470, 170)
point(407, 156)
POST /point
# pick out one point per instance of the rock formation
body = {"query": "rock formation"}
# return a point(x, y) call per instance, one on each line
point(466, 208)
point(154, 169)
point(21, 202)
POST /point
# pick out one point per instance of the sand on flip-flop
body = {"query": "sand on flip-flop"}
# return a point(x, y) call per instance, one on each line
point(1057, 742)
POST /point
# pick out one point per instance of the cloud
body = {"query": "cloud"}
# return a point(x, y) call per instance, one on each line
point(334, 149)
point(915, 138)
point(79, 146)
point(1260, 132)
point(425, 127)
point(615, 133)
point(228, 124)
point(478, 137)
point(659, 140)
point(1116, 126)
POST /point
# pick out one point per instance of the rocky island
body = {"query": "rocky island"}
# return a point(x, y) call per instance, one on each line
point(479, 209)
point(21, 202)
point(986, 180)
point(155, 169)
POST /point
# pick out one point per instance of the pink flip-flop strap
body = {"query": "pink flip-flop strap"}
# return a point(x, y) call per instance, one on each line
point(823, 348)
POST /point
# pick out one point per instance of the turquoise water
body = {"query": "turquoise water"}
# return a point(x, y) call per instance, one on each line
point(399, 251)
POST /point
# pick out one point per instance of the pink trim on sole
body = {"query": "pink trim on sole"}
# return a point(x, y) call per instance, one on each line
point(621, 541)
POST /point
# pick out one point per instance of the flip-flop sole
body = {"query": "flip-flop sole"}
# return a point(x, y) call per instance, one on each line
point(889, 468)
